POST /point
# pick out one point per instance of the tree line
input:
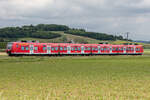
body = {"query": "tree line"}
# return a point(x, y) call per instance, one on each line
point(94, 35)
point(45, 31)
point(38, 31)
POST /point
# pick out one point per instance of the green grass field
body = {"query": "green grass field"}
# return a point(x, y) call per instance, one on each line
point(75, 78)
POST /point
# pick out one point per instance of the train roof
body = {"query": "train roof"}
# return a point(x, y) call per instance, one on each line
point(21, 42)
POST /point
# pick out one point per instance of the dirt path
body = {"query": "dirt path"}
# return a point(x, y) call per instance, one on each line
point(2, 53)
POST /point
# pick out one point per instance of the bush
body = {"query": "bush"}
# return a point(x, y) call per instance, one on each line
point(3, 45)
point(45, 35)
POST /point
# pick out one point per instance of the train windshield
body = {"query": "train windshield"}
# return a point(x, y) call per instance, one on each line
point(9, 45)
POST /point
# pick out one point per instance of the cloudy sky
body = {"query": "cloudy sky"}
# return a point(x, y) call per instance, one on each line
point(109, 16)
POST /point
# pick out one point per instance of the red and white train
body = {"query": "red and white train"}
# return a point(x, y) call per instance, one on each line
point(35, 48)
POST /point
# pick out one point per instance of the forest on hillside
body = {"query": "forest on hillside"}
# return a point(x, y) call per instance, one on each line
point(94, 35)
point(45, 31)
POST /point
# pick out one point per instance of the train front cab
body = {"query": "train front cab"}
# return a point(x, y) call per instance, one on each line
point(9, 48)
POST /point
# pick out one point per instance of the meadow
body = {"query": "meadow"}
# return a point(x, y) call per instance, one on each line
point(75, 78)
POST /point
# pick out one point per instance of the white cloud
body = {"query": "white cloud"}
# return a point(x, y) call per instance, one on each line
point(95, 15)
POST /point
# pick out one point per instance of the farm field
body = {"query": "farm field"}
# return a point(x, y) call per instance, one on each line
point(75, 78)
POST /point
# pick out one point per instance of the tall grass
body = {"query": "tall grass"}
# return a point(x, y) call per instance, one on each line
point(75, 78)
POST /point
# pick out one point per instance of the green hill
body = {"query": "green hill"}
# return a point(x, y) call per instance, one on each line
point(65, 38)
point(54, 33)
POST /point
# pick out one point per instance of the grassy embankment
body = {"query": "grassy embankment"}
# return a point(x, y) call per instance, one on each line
point(75, 78)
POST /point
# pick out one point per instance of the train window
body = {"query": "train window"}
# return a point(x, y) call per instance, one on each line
point(65, 48)
point(113, 49)
point(131, 49)
point(121, 49)
point(44, 48)
point(49, 48)
point(93, 48)
point(110, 49)
point(72, 48)
point(85, 48)
point(56, 48)
point(107, 49)
point(17, 46)
point(52, 48)
point(102, 49)
point(137, 49)
point(61, 48)
point(35, 48)
point(96, 49)
point(127, 49)
point(89, 48)
point(117, 49)
point(27, 48)
point(22, 48)
point(78, 48)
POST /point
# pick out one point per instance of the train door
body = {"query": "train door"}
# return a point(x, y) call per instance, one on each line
point(48, 49)
point(82, 49)
point(68, 49)
point(110, 50)
point(44, 49)
point(134, 50)
point(99, 49)
point(31, 49)
point(124, 50)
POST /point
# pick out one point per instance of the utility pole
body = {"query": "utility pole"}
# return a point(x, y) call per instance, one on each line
point(127, 35)
point(116, 35)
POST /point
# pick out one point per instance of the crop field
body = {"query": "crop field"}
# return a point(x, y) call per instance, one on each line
point(75, 78)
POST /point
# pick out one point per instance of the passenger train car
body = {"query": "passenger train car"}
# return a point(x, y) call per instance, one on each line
point(35, 48)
